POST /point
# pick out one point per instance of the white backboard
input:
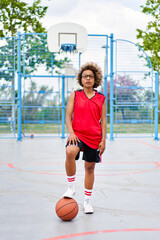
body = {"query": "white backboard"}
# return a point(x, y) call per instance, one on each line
point(67, 33)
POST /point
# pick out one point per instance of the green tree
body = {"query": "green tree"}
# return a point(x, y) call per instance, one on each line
point(150, 38)
point(17, 14)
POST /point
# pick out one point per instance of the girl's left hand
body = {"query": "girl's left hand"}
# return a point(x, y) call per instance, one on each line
point(102, 147)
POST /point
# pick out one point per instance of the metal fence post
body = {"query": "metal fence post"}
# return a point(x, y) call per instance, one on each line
point(63, 106)
point(19, 101)
point(106, 95)
point(111, 88)
point(156, 107)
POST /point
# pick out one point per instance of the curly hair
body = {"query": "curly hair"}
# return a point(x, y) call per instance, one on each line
point(98, 75)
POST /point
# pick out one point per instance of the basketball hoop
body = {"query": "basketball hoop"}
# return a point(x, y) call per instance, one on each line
point(67, 37)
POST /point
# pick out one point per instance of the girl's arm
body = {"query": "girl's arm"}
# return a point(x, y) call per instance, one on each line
point(69, 112)
point(102, 144)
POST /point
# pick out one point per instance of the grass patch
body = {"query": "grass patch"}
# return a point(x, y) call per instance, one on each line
point(56, 129)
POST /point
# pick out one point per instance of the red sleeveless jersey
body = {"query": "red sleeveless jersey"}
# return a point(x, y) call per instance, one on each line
point(87, 118)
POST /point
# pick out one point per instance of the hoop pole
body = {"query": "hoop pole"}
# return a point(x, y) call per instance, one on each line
point(80, 60)
point(106, 57)
point(52, 62)
point(156, 107)
point(111, 87)
point(63, 106)
point(19, 105)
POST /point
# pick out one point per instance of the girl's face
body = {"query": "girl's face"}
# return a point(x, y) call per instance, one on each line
point(87, 79)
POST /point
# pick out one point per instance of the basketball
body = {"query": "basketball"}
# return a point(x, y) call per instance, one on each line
point(66, 209)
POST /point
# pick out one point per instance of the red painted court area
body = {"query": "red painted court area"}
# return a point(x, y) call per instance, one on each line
point(125, 197)
point(112, 167)
point(70, 236)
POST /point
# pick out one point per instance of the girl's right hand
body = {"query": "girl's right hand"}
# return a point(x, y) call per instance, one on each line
point(72, 139)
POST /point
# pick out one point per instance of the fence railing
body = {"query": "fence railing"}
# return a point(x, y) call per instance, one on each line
point(33, 97)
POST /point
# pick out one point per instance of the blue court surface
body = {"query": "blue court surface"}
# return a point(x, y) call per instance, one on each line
point(126, 195)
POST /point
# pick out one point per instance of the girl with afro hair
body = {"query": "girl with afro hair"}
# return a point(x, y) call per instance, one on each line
point(86, 123)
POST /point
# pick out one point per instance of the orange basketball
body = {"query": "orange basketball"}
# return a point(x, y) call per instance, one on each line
point(66, 209)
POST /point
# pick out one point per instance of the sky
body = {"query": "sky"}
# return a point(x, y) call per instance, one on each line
point(120, 17)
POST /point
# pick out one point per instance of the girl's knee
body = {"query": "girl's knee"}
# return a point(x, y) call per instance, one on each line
point(70, 152)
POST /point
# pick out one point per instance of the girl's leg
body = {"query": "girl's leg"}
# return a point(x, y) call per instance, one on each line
point(70, 165)
point(89, 175)
point(88, 184)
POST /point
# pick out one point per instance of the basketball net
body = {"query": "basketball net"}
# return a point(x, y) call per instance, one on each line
point(68, 48)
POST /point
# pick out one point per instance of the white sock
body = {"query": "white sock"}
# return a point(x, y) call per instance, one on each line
point(88, 193)
point(71, 181)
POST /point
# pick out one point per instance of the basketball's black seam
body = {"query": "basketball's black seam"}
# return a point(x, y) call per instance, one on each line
point(64, 205)
point(68, 213)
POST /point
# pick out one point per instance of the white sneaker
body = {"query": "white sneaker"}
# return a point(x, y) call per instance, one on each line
point(87, 206)
point(70, 193)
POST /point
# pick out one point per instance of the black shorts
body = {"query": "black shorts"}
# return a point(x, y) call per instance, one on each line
point(89, 154)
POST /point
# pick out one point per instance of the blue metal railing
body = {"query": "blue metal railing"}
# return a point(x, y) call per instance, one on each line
point(111, 88)
point(19, 99)
point(42, 93)
point(156, 107)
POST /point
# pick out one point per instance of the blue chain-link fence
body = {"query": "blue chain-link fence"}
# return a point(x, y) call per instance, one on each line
point(7, 88)
point(134, 89)
point(35, 85)
point(48, 79)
